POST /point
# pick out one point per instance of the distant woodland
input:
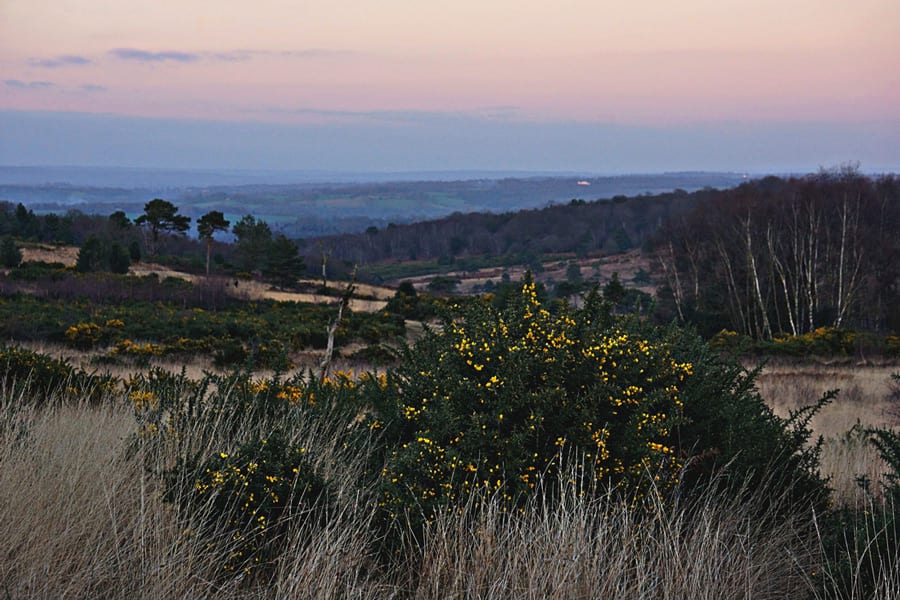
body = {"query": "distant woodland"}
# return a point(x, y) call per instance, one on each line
point(579, 227)
point(770, 257)
point(787, 256)
point(301, 210)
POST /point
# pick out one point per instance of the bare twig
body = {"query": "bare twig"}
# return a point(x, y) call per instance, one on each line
point(329, 349)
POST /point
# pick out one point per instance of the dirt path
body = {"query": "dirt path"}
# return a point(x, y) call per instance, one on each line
point(255, 290)
point(66, 255)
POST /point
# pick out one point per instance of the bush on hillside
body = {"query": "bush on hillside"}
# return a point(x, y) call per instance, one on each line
point(496, 399)
point(35, 377)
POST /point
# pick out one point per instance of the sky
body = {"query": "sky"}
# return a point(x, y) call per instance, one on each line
point(405, 85)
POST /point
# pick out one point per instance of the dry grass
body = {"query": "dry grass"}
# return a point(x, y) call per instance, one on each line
point(256, 290)
point(865, 394)
point(83, 517)
point(865, 400)
point(608, 549)
point(83, 514)
point(67, 255)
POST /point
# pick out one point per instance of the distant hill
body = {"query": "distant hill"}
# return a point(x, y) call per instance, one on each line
point(577, 227)
point(306, 208)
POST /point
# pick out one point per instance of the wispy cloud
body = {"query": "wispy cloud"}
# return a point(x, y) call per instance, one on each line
point(28, 85)
point(89, 88)
point(314, 53)
point(231, 55)
point(236, 55)
point(242, 54)
point(493, 113)
point(148, 56)
point(64, 60)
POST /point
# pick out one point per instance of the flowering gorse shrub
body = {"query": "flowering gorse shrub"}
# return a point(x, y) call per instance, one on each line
point(86, 335)
point(38, 377)
point(255, 490)
point(242, 458)
point(496, 399)
point(821, 341)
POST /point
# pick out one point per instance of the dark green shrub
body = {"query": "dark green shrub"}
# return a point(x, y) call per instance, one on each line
point(92, 256)
point(10, 255)
point(39, 271)
point(271, 355)
point(230, 352)
point(118, 258)
point(102, 255)
point(409, 304)
point(495, 399)
point(443, 284)
point(36, 377)
point(729, 428)
point(376, 355)
point(254, 491)
point(134, 251)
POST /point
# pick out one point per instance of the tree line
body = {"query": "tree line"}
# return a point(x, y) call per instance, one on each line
point(581, 227)
point(787, 256)
point(115, 242)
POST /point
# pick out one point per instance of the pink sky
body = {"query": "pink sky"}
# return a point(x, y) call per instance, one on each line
point(647, 63)
point(640, 62)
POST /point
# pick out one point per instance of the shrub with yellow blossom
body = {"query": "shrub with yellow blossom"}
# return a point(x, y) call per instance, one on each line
point(496, 399)
point(37, 377)
point(255, 490)
point(257, 476)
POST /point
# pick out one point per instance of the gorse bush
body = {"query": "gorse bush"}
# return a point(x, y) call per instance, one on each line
point(35, 377)
point(234, 456)
point(85, 336)
point(733, 438)
point(822, 342)
point(256, 490)
point(495, 399)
